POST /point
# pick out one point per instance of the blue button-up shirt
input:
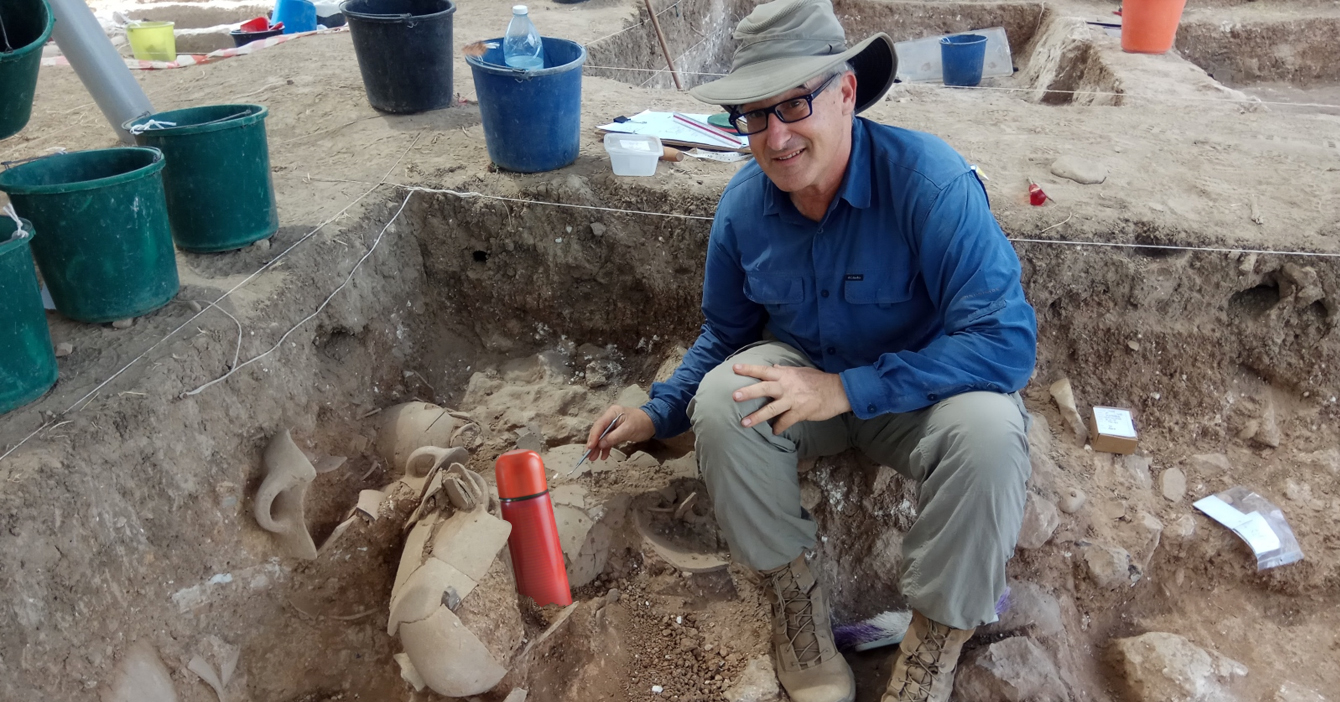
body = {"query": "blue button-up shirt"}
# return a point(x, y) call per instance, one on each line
point(907, 287)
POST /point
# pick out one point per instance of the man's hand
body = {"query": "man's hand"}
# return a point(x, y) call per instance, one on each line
point(635, 426)
point(797, 394)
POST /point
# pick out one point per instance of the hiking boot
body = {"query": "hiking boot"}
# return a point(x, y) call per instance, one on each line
point(808, 663)
point(923, 668)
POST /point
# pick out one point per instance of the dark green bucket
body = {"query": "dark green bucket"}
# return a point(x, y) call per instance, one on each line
point(26, 26)
point(219, 193)
point(106, 246)
point(28, 363)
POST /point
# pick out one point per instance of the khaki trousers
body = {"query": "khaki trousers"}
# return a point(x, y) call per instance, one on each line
point(968, 454)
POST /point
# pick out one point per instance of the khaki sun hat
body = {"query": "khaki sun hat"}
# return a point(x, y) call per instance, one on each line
point(785, 43)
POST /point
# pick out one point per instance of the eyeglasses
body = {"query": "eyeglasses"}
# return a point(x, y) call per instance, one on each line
point(788, 111)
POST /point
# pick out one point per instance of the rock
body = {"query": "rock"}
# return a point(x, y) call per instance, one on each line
point(141, 677)
point(598, 229)
point(1016, 669)
point(1109, 566)
point(518, 694)
point(1138, 470)
point(1072, 499)
point(1293, 692)
point(1173, 484)
point(1163, 666)
point(1040, 521)
point(1211, 463)
point(1064, 396)
point(810, 495)
point(1150, 531)
point(1030, 609)
point(1181, 529)
point(123, 323)
point(1264, 430)
point(632, 397)
point(1080, 170)
point(757, 683)
point(262, 245)
point(64, 349)
point(1040, 436)
point(642, 460)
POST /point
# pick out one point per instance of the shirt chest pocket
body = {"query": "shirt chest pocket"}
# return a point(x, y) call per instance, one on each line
point(884, 289)
point(772, 289)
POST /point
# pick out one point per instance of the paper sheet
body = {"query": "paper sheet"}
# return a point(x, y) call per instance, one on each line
point(673, 131)
point(1114, 422)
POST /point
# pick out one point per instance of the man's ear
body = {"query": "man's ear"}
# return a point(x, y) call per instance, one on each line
point(849, 93)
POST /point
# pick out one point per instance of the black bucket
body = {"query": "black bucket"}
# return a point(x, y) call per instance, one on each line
point(404, 52)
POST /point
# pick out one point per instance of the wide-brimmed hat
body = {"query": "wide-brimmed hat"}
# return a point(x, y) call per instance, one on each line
point(785, 43)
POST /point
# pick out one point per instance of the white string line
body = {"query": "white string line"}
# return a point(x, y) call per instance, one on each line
point(1003, 89)
point(1021, 240)
point(320, 308)
point(677, 60)
point(234, 289)
point(629, 28)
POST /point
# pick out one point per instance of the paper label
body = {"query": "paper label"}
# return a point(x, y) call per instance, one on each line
point(635, 145)
point(1257, 533)
point(1114, 422)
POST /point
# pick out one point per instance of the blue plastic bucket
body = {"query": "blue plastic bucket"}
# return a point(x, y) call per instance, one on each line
point(962, 56)
point(297, 15)
point(532, 119)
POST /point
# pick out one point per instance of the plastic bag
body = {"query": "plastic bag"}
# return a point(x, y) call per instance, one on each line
point(1258, 522)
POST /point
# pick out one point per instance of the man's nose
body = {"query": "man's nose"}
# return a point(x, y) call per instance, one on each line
point(778, 133)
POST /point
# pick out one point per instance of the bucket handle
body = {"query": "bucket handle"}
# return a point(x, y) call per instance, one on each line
point(10, 164)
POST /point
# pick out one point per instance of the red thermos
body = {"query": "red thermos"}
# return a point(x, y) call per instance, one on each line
point(537, 555)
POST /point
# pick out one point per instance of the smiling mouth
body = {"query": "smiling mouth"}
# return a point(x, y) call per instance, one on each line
point(791, 156)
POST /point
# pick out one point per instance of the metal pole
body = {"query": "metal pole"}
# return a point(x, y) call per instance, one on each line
point(102, 71)
point(664, 49)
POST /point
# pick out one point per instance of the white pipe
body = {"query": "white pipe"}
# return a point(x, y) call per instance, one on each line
point(101, 69)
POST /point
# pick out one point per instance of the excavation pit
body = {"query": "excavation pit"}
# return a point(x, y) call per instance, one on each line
point(534, 301)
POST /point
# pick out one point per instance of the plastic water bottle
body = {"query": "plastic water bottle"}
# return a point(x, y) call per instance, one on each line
point(522, 47)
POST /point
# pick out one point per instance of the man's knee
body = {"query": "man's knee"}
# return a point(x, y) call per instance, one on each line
point(984, 433)
point(714, 403)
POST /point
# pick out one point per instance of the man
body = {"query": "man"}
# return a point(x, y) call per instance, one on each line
point(858, 294)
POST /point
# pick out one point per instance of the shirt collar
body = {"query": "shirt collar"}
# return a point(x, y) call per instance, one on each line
point(855, 188)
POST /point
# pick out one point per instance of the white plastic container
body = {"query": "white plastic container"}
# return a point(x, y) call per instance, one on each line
point(633, 154)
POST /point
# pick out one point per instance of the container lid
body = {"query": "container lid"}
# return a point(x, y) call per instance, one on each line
point(519, 10)
point(633, 144)
point(520, 473)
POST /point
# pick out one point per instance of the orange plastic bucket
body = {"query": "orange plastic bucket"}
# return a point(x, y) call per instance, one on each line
point(1149, 26)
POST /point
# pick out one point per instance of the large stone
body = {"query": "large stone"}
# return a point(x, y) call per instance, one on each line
point(1040, 521)
point(1084, 171)
point(1109, 566)
point(1013, 670)
point(1031, 609)
point(1173, 484)
point(1293, 692)
point(1064, 395)
point(1137, 470)
point(757, 683)
point(1209, 464)
point(1162, 666)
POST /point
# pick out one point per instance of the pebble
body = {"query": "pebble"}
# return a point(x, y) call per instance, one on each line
point(1082, 171)
point(1109, 566)
point(598, 229)
point(194, 306)
point(612, 596)
point(123, 323)
point(1173, 484)
point(1072, 499)
point(64, 349)
point(262, 245)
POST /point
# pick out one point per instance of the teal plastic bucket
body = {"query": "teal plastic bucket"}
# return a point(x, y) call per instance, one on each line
point(28, 363)
point(106, 246)
point(25, 26)
point(220, 196)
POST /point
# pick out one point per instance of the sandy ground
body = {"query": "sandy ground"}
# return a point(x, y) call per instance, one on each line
point(130, 498)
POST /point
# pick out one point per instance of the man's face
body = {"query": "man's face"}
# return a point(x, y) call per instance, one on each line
point(807, 153)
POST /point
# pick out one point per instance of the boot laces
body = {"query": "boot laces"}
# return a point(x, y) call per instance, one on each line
point(798, 610)
point(923, 664)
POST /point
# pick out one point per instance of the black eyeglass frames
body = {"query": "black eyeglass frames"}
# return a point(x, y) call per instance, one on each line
point(788, 111)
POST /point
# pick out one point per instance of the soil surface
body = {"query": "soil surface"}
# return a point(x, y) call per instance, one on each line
point(1206, 304)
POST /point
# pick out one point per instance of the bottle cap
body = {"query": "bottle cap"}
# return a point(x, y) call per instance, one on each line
point(519, 9)
point(520, 473)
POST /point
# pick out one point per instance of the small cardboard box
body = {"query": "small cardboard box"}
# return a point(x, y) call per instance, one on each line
point(1113, 430)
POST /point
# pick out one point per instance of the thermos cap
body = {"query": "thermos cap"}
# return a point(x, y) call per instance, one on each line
point(520, 473)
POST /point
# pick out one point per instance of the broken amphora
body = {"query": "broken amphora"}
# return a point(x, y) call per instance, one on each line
point(279, 502)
